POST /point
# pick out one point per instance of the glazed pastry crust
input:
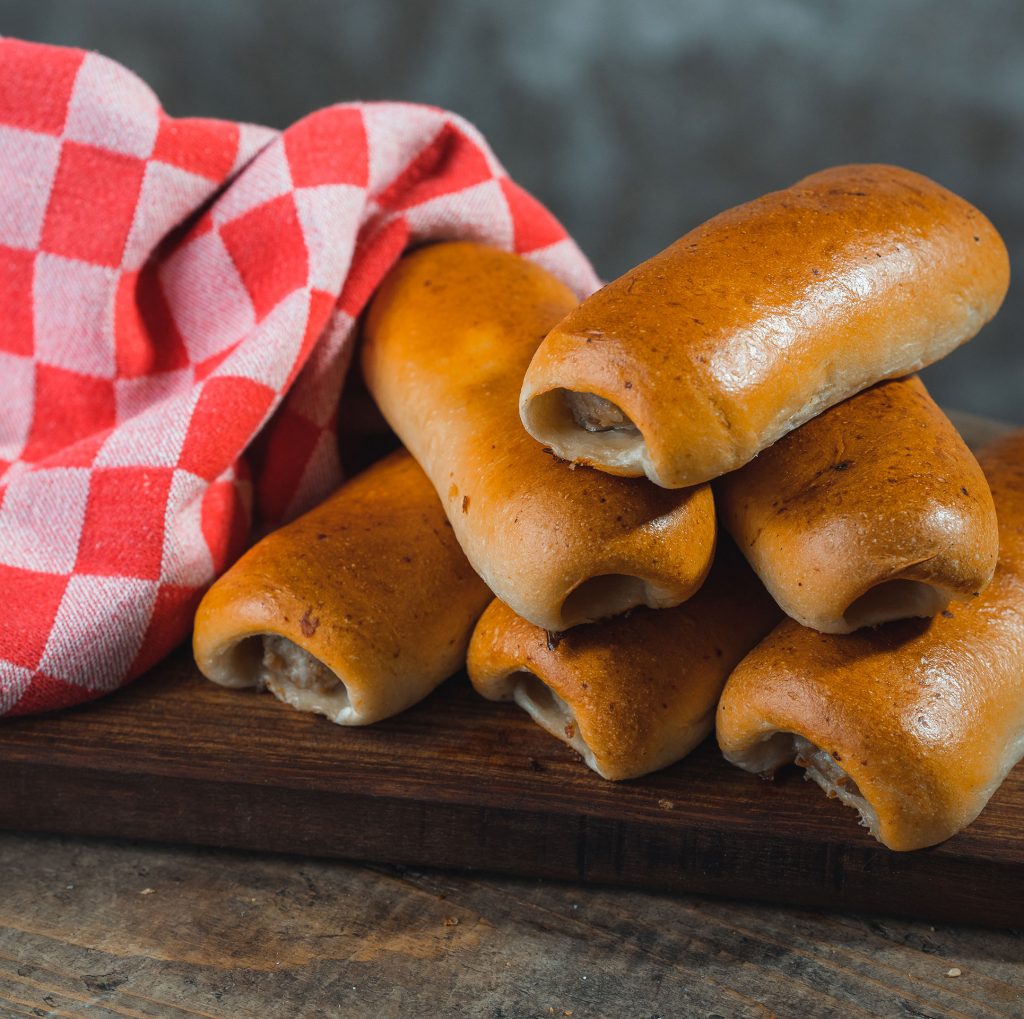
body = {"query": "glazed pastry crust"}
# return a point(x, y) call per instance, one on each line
point(356, 610)
point(873, 511)
point(447, 340)
point(635, 693)
point(921, 719)
point(763, 317)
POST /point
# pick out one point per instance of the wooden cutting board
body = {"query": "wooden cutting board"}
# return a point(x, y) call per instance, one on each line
point(459, 782)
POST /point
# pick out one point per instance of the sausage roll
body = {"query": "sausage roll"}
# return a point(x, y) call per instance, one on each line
point(915, 724)
point(635, 693)
point(873, 511)
point(356, 610)
point(447, 340)
point(696, 360)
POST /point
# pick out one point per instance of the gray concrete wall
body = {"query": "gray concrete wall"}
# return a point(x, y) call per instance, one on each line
point(632, 120)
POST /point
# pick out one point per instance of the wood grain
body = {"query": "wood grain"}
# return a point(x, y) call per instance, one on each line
point(458, 782)
point(104, 930)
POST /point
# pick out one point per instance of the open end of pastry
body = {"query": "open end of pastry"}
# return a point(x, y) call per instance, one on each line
point(294, 676)
point(550, 712)
point(781, 748)
point(602, 597)
point(587, 428)
point(895, 599)
point(235, 665)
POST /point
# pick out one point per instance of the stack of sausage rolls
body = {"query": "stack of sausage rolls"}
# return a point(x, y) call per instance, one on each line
point(713, 495)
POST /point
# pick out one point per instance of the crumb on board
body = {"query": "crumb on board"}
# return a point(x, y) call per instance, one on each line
point(147, 891)
point(954, 972)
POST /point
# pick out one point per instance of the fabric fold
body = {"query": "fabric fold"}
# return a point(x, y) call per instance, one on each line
point(175, 287)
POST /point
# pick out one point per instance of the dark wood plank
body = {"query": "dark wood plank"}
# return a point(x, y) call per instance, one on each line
point(459, 782)
point(101, 929)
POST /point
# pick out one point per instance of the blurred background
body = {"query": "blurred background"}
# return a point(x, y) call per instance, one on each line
point(632, 121)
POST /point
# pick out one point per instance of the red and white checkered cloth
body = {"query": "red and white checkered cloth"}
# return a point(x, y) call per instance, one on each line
point(170, 288)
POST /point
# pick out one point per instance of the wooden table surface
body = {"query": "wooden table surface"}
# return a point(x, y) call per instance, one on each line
point(116, 929)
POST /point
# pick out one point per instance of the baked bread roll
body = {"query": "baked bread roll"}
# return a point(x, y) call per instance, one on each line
point(873, 511)
point(356, 610)
point(635, 693)
point(696, 360)
point(447, 340)
point(914, 724)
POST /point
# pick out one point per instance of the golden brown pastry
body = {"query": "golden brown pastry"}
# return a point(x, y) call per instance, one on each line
point(635, 693)
point(356, 610)
point(690, 364)
point(915, 724)
point(447, 340)
point(873, 511)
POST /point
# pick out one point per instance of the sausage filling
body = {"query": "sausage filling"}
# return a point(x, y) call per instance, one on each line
point(596, 414)
point(300, 679)
point(589, 429)
point(823, 768)
point(285, 663)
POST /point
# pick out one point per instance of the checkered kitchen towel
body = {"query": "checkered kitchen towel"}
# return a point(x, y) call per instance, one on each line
point(170, 288)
